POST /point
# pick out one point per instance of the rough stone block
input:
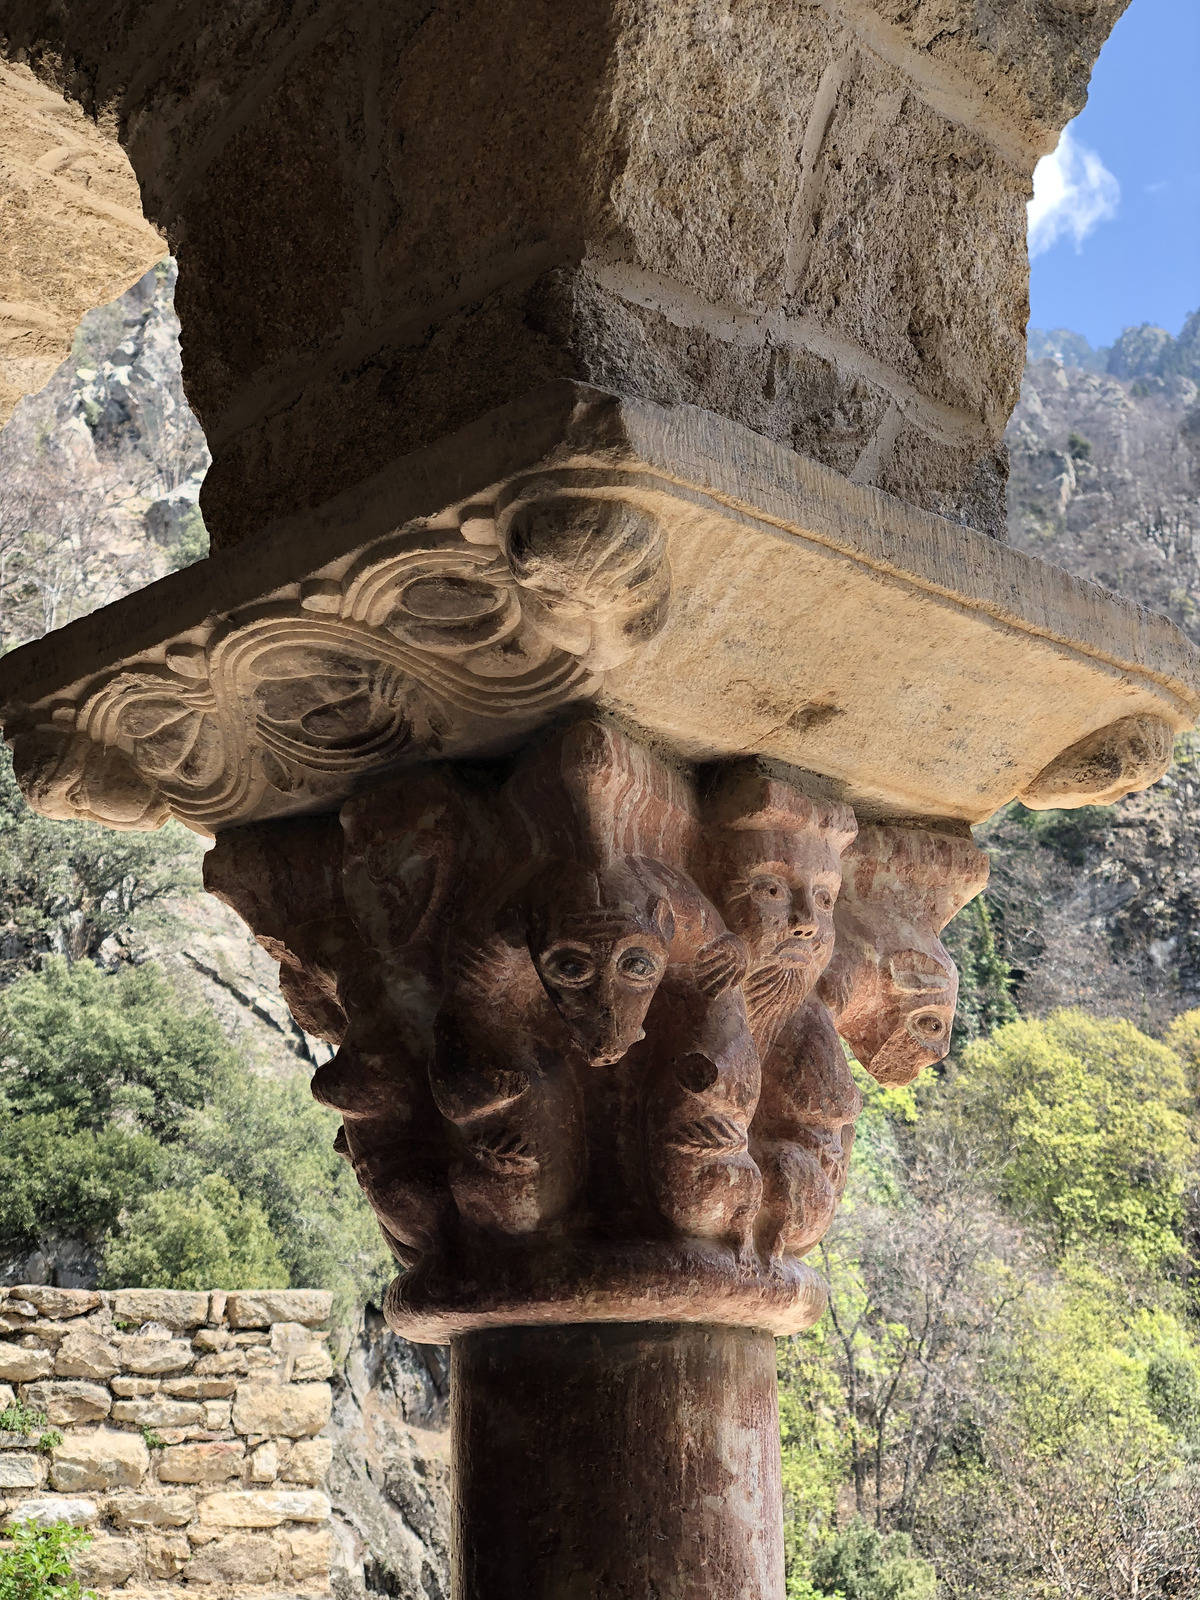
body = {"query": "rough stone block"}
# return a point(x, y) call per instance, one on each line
point(156, 1355)
point(106, 1562)
point(201, 1463)
point(260, 1308)
point(7, 1396)
point(200, 1388)
point(262, 1508)
point(174, 1308)
point(22, 1366)
point(71, 1400)
point(221, 1362)
point(212, 1338)
point(156, 1412)
point(51, 1302)
point(105, 1459)
point(264, 1464)
point(134, 1388)
point(315, 1367)
point(150, 1510)
point(20, 1471)
point(309, 1554)
point(309, 1461)
point(217, 1413)
point(51, 1508)
point(166, 1554)
point(46, 1333)
point(245, 1558)
point(294, 1410)
point(82, 1354)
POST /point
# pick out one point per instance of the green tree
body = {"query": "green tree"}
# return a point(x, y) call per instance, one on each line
point(57, 1179)
point(207, 1237)
point(274, 1143)
point(102, 1050)
point(66, 886)
point(1086, 1123)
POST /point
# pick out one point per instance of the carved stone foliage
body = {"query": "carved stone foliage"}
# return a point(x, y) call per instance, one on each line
point(435, 642)
point(587, 1010)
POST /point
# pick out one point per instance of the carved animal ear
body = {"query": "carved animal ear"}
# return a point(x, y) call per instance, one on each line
point(663, 919)
point(917, 973)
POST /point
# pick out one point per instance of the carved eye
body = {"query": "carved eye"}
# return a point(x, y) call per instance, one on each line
point(768, 888)
point(824, 900)
point(637, 964)
point(928, 1023)
point(570, 967)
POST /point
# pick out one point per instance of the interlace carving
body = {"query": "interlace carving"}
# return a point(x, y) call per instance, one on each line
point(587, 1018)
point(431, 644)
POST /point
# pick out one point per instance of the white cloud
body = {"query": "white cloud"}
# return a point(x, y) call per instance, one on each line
point(1072, 191)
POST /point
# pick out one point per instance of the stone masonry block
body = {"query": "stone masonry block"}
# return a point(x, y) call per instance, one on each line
point(148, 1356)
point(309, 1553)
point(134, 1388)
point(82, 1354)
point(149, 1510)
point(22, 1366)
point(295, 1410)
point(105, 1459)
point(7, 1396)
point(246, 1558)
point(220, 1363)
point(261, 1308)
point(52, 1302)
point(309, 1461)
point(166, 1554)
point(201, 1463)
point(51, 1508)
point(20, 1471)
point(262, 1508)
point(106, 1562)
point(157, 1412)
point(200, 1388)
point(174, 1308)
point(69, 1401)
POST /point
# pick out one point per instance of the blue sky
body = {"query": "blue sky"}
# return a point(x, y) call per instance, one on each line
point(1115, 237)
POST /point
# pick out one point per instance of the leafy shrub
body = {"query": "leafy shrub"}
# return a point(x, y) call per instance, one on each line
point(22, 1419)
point(860, 1563)
point(107, 1049)
point(37, 1564)
point(207, 1237)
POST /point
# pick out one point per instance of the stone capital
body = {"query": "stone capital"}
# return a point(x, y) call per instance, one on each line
point(587, 1064)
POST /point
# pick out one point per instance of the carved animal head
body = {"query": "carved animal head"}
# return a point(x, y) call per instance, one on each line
point(891, 986)
point(774, 869)
point(600, 941)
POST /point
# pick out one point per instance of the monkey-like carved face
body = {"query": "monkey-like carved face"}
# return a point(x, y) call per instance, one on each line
point(601, 963)
point(906, 1022)
point(779, 896)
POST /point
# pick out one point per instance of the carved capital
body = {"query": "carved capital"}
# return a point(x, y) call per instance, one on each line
point(587, 1010)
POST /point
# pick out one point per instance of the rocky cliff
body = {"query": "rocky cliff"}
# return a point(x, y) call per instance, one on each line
point(1101, 907)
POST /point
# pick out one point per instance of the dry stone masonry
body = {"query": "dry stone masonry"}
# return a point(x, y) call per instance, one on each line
point(183, 1430)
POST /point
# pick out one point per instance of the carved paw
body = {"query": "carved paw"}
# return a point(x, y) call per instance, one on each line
point(721, 965)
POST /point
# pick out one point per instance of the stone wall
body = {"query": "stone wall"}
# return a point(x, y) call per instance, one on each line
point(181, 1430)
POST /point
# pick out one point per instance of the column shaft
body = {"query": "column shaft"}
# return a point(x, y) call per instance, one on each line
point(616, 1461)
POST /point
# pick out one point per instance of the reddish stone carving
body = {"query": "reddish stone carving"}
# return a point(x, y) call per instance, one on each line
point(891, 986)
point(583, 1068)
